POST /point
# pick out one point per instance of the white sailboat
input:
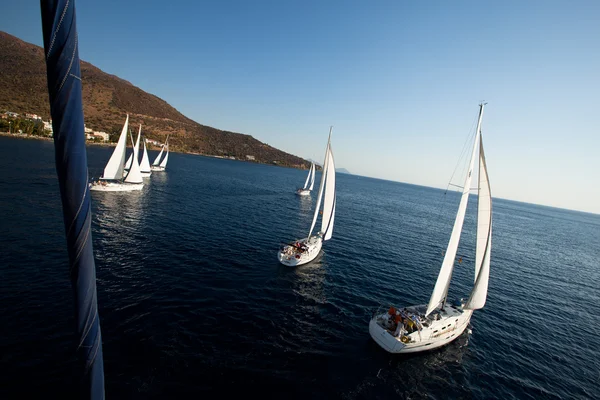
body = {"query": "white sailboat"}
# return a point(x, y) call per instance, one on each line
point(145, 163)
point(112, 178)
point(432, 325)
point(309, 183)
point(305, 250)
point(159, 165)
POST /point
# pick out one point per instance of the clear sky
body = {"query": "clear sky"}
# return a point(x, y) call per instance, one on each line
point(399, 80)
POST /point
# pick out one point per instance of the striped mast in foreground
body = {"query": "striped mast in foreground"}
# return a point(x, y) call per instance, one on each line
point(66, 109)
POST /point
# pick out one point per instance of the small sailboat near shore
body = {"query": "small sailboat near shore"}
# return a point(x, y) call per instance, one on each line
point(145, 169)
point(309, 183)
point(158, 165)
point(429, 326)
point(305, 250)
point(145, 163)
point(112, 178)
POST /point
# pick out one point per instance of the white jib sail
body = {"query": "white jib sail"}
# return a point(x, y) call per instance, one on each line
point(443, 281)
point(134, 175)
point(329, 201)
point(164, 161)
point(307, 177)
point(157, 159)
point(145, 164)
point(321, 185)
point(114, 167)
point(312, 176)
point(484, 237)
point(137, 148)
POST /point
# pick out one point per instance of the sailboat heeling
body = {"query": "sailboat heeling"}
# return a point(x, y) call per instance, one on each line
point(443, 281)
point(312, 176)
point(164, 161)
point(134, 175)
point(484, 237)
point(114, 167)
point(307, 177)
point(145, 164)
point(137, 147)
point(329, 200)
point(157, 159)
point(321, 186)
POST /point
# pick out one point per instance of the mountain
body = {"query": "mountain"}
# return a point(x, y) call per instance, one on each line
point(343, 171)
point(106, 101)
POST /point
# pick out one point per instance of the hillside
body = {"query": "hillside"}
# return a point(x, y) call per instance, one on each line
point(106, 101)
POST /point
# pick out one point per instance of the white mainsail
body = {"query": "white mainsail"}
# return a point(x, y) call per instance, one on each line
point(312, 177)
point(442, 284)
point(114, 167)
point(136, 147)
point(164, 161)
point(134, 175)
point(484, 237)
point(157, 159)
point(329, 201)
point(322, 185)
point(145, 164)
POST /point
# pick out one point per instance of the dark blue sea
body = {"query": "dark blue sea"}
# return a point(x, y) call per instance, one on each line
point(193, 303)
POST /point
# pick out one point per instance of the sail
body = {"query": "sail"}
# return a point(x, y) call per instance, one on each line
point(329, 201)
point(321, 186)
point(137, 148)
point(484, 237)
point(442, 284)
point(134, 175)
point(114, 167)
point(164, 161)
point(313, 171)
point(157, 159)
point(307, 177)
point(145, 164)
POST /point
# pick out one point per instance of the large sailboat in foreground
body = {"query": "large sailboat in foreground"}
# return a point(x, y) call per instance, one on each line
point(158, 165)
point(309, 183)
point(428, 326)
point(112, 178)
point(305, 250)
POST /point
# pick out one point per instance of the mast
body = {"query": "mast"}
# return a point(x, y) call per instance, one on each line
point(440, 290)
point(63, 73)
point(321, 185)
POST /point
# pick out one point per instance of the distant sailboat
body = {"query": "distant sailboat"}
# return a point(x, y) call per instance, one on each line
point(309, 183)
point(145, 163)
point(305, 250)
point(428, 326)
point(112, 178)
point(160, 166)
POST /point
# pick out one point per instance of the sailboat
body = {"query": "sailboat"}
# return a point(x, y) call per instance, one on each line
point(309, 183)
point(112, 178)
point(159, 165)
point(305, 250)
point(145, 169)
point(432, 325)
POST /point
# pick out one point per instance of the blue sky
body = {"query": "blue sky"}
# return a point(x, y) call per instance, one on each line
point(399, 81)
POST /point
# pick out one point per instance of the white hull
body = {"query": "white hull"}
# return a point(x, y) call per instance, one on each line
point(292, 257)
point(102, 186)
point(157, 168)
point(303, 192)
point(433, 334)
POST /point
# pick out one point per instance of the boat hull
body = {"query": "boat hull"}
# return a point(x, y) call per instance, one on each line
point(146, 174)
point(157, 168)
point(115, 186)
point(451, 324)
point(291, 258)
point(303, 192)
